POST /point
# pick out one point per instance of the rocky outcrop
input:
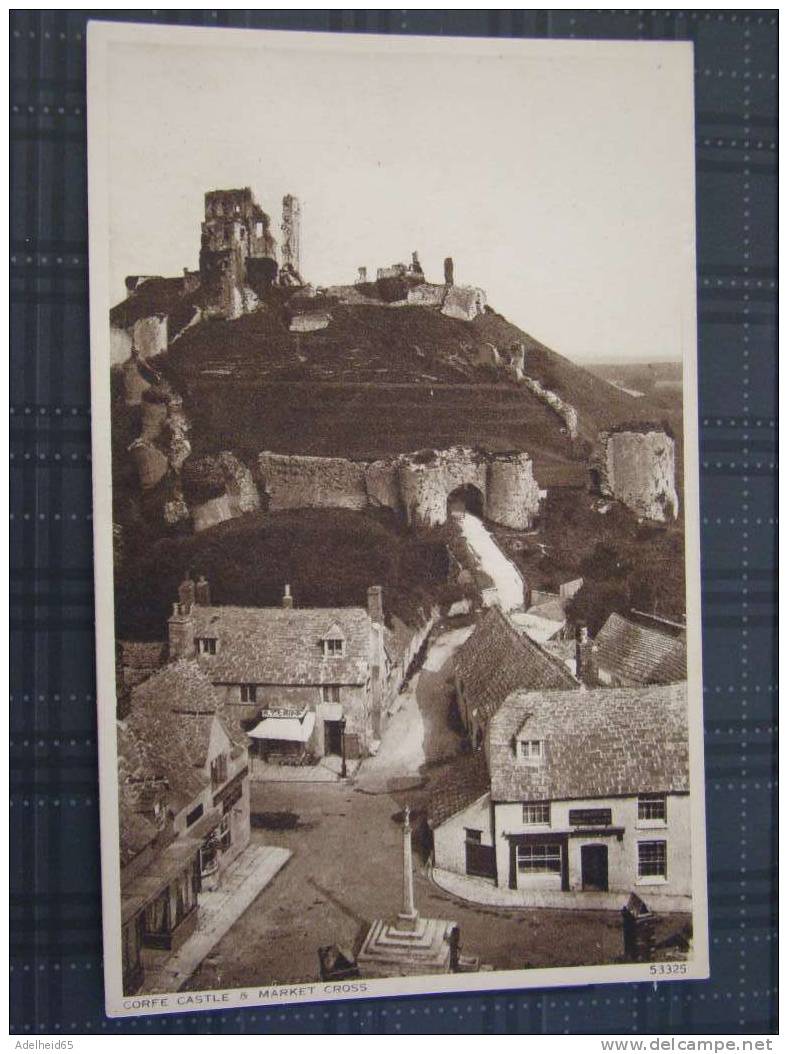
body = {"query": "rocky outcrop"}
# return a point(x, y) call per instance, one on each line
point(418, 486)
point(638, 469)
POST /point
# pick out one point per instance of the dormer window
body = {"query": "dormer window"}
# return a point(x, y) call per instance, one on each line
point(531, 750)
point(333, 642)
point(205, 645)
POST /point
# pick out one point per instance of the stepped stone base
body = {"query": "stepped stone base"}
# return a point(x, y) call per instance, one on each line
point(401, 949)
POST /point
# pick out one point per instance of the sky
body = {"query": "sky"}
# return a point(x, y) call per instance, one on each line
point(559, 178)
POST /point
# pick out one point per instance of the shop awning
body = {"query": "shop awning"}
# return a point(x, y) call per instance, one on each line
point(290, 729)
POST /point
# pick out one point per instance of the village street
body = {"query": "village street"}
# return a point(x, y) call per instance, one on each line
point(346, 864)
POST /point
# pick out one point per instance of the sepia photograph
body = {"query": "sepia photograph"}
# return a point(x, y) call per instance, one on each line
point(395, 450)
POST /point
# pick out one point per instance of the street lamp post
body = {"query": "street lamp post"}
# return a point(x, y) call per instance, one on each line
point(342, 745)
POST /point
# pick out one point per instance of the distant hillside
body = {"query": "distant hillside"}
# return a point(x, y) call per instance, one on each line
point(378, 380)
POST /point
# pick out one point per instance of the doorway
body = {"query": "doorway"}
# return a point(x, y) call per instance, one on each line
point(593, 867)
point(333, 737)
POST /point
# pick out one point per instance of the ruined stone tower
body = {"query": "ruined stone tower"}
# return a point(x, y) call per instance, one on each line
point(291, 234)
point(237, 252)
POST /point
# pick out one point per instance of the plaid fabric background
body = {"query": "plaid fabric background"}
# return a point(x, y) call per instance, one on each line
point(56, 979)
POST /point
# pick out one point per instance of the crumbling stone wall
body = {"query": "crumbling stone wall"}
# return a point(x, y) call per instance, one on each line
point(425, 484)
point(297, 481)
point(638, 469)
point(565, 411)
point(415, 485)
point(217, 488)
point(512, 491)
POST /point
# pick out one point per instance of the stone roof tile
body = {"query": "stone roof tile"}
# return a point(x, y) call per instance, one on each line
point(497, 659)
point(640, 654)
point(283, 645)
point(600, 743)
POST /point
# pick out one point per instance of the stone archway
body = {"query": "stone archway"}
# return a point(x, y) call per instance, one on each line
point(466, 498)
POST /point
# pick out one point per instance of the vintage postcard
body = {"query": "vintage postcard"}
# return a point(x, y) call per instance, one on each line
point(396, 515)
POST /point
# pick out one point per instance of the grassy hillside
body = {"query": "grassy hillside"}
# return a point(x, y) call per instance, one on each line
point(378, 380)
point(328, 556)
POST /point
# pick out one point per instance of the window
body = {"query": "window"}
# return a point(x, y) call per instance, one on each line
point(472, 835)
point(258, 229)
point(531, 750)
point(330, 693)
point(248, 693)
point(333, 647)
point(206, 645)
point(536, 812)
point(539, 859)
point(652, 859)
point(652, 807)
point(219, 770)
point(193, 816)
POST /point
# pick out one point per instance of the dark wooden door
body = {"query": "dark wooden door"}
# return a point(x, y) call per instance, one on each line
point(480, 860)
point(333, 731)
point(593, 864)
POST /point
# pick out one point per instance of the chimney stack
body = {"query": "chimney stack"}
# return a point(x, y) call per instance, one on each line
point(287, 600)
point(202, 592)
point(585, 657)
point(375, 604)
point(448, 271)
point(180, 632)
point(186, 592)
point(362, 276)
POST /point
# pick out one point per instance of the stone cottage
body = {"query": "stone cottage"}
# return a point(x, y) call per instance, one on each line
point(587, 800)
point(299, 681)
point(494, 661)
point(628, 653)
point(183, 779)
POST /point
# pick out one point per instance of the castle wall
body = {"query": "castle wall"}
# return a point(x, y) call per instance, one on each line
point(565, 411)
point(425, 487)
point(417, 485)
point(638, 469)
point(119, 345)
point(512, 492)
point(297, 482)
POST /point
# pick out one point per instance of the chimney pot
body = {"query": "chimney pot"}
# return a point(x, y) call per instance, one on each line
point(202, 592)
point(287, 599)
point(375, 604)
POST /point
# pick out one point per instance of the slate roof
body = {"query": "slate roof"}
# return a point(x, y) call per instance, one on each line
point(143, 653)
point(597, 744)
point(497, 659)
point(459, 786)
point(283, 645)
point(171, 718)
point(640, 654)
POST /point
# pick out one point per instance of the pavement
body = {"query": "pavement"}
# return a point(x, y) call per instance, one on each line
point(484, 891)
point(508, 583)
point(219, 909)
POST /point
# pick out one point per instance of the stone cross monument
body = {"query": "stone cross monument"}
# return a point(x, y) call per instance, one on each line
point(410, 945)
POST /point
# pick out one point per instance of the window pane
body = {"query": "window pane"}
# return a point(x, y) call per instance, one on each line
point(536, 812)
point(652, 859)
point(652, 807)
point(539, 859)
